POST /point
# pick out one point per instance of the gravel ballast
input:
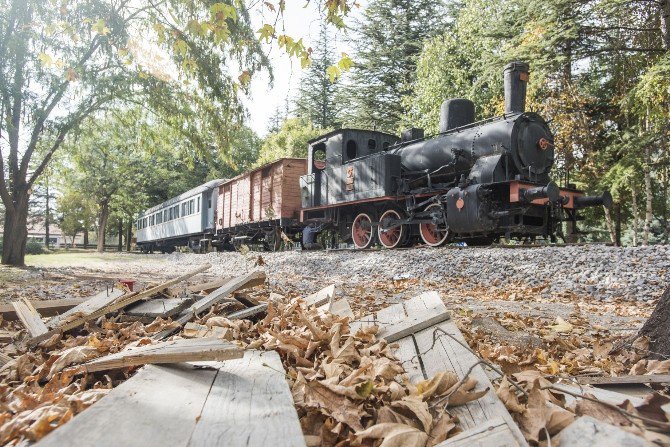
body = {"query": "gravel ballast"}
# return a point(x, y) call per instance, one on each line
point(595, 271)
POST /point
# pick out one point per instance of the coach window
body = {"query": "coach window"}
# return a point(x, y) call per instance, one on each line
point(198, 208)
point(352, 149)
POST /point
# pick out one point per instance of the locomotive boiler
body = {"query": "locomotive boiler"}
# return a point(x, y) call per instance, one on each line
point(473, 181)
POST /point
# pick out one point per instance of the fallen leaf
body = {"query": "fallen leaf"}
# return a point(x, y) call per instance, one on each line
point(395, 435)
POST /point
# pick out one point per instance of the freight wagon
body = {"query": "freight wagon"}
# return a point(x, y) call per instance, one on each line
point(259, 205)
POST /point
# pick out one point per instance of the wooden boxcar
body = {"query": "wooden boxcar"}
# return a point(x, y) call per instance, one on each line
point(258, 205)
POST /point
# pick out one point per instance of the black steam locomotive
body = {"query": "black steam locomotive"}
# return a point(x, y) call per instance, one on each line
point(473, 181)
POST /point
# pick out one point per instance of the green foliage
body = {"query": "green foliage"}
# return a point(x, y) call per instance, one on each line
point(77, 210)
point(290, 141)
point(316, 95)
point(34, 248)
point(387, 41)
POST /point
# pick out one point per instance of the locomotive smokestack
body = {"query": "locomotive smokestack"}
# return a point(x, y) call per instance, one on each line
point(516, 79)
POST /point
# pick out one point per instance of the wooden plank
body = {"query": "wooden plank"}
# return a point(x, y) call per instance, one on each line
point(46, 308)
point(608, 396)
point(493, 433)
point(91, 304)
point(340, 308)
point(158, 406)
point(30, 318)
point(250, 405)
point(621, 380)
point(422, 312)
point(321, 297)
point(159, 307)
point(422, 358)
point(213, 298)
point(120, 303)
point(248, 313)
point(174, 351)
point(208, 286)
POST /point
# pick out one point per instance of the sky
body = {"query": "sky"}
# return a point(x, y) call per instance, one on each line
point(299, 22)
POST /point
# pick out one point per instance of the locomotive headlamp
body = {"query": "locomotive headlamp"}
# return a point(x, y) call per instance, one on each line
point(544, 144)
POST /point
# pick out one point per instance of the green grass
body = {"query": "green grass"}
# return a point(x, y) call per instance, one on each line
point(63, 258)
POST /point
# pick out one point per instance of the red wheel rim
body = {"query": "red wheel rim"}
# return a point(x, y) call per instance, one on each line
point(431, 233)
point(361, 231)
point(391, 237)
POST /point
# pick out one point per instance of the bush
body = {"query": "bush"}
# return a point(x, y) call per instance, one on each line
point(34, 248)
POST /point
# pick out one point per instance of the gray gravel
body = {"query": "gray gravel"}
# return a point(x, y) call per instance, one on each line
point(596, 271)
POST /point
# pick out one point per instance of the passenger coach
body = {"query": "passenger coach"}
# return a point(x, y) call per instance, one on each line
point(187, 219)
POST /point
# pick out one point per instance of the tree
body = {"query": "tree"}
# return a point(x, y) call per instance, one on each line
point(62, 64)
point(77, 212)
point(290, 141)
point(316, 95)
point(387, 42)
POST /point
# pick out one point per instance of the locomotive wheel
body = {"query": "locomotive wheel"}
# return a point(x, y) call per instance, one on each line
point(273, 240)
point(393, 237)
point(432, 234)
point(361, 231)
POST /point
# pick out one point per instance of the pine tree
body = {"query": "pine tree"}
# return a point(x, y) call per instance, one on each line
point(316, 94)
point(387, 42)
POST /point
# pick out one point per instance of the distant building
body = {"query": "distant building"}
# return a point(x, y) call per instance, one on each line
point(37, 233)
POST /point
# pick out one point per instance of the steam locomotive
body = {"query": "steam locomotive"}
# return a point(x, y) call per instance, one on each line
point(473, 181)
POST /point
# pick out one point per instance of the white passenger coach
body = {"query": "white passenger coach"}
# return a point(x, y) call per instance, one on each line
point(187, 219)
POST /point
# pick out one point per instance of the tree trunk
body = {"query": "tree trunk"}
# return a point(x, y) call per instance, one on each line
point(120, 228)
point(649, 195)
point(129, 233)
point(15, 232)
point(103, 217)
point(46, 217)
point(633, 194)
point(618, 224)
point(610, 225)
point(85, 239)
point(656, 328)
point(665, 23)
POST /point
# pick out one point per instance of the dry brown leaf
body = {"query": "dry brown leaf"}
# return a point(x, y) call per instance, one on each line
point(507, 394)
point(464, 394)
point(72, 356)
point(601, 412)
point(334, 404)
point(438, 385)
point(444, 426)
point(395, 435)
point(415, 408)
point(541, 414)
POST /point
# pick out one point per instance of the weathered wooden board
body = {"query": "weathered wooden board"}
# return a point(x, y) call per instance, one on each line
point(30, 318)
point(340, 308)
point(621, 380)
point(174, 351)
point(250, 405)
point(159, 307)
point(321, 297)
point(215, 297)
point(427, 352)
point(117, 304)
point(46, 308)
point(159, 406)
point(89, 305)
point(4, 359)
point(208, 286)
point(236, 403)
point(493, 433)
point(248, 313)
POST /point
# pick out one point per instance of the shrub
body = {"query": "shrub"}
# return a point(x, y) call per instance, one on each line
point(34, 248)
